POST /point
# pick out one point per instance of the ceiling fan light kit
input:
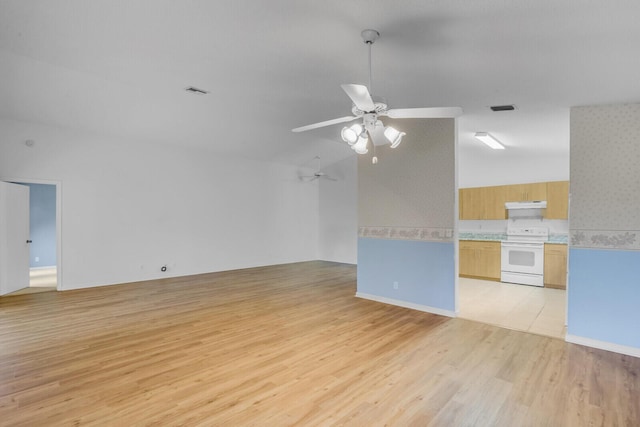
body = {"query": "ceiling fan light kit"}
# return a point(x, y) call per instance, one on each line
point(368, 108)
point(350, 134)
point(360, 147)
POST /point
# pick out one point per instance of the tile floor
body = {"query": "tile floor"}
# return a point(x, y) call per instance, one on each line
point(40, 280)
point(525, 308)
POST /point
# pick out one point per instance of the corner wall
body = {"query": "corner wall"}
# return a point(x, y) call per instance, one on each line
point(604, 253)
point(406, 214)
point(338, 216)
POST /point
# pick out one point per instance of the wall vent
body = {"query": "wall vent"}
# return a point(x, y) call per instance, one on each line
point(196, 90)
point(503, 107)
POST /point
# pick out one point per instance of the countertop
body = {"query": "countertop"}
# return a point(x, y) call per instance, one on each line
point(498, 237)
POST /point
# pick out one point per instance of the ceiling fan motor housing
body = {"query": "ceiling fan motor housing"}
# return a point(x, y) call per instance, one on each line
point(379, 102)
point(370, 36)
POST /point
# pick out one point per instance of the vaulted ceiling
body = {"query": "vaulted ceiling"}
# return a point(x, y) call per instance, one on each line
point(120, 67)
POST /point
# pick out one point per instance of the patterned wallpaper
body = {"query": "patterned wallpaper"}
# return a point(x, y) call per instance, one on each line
point(410, 193)
point(605, 177)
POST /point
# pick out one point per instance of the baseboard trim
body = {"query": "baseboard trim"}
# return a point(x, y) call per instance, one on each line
point(405, 304)
point(603, 345)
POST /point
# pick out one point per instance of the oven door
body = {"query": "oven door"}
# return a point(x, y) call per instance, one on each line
point(522, 257)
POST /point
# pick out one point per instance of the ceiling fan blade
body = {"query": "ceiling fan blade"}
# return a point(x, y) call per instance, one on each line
point(424, 113)
point(360, 96)
point(323, 124)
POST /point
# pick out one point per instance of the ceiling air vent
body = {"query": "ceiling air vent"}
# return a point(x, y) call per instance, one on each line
point(503, 107)
point(196, 90)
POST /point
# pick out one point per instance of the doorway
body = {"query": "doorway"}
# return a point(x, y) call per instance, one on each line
point(44, 235)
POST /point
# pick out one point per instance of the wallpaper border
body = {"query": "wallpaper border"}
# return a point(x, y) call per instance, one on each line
point(605, 239)
point(424, 234)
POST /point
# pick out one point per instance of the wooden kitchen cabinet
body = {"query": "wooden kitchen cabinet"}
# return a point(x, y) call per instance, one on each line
point(555, 266)
point(482, 203)
point(469, 203)
point(494, 199)
point(479, 259)
point(526, 192)
point(557, 200)
point(488, 202)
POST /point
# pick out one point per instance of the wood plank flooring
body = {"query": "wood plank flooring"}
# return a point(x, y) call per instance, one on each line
point(288, 345)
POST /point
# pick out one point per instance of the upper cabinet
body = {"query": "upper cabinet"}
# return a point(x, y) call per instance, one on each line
point(557, 200)
point(526, 192)
point(482, 203)
point(488, 202)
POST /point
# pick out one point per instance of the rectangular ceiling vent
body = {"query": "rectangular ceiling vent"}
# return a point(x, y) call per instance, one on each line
point(503, 107)
point(196, 90)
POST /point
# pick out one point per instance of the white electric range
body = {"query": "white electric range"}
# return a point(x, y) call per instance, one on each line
point(522, 257)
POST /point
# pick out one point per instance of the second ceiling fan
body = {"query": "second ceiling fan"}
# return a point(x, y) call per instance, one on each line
point(369, 108)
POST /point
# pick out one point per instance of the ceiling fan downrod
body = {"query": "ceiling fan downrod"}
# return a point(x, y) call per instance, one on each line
point(369, 37)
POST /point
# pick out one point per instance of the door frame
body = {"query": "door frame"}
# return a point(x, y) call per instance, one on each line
point(58, 185)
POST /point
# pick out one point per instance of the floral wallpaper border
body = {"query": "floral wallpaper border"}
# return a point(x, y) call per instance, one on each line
point(429, 234)
point(606, 239)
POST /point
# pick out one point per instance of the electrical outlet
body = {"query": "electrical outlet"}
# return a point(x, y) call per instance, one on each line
point(395, 285)
point(37, 259)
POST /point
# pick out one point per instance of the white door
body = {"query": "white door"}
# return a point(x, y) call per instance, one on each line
point(14, 237)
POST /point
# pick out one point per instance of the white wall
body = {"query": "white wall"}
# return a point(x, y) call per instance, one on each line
point(338, 219)
point(480, 167)
point(130, 207)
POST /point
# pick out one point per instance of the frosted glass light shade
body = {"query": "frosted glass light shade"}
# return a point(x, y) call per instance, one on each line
point(394, 136)
point(351, 133)
point(360, 147)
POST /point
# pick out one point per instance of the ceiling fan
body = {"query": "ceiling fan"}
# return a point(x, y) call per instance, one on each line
point(318, 174)
point(368, 108)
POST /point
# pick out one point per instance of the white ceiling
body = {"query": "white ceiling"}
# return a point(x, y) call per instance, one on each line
point(120, 67)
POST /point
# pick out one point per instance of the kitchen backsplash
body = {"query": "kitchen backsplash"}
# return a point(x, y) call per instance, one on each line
point(555, 226)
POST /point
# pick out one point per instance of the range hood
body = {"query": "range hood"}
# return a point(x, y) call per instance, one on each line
point(534, 204)
point(531, 209)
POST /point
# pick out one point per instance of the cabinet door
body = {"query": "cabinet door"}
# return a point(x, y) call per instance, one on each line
point(515, 193)
point(471, 205)
point(526, 192)
point(555, 266)
point(536, 191)
point(493, 202)
point(467, 264)
point(488, 264)
point(479, 259)
point(557, 200)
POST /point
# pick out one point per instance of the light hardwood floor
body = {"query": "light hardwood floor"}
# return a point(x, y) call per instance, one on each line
point(523, 308)
point(289, 345)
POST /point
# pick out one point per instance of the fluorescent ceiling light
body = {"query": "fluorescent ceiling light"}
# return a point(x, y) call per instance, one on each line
point(488, 139)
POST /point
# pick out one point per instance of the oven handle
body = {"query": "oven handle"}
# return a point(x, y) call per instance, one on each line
point(522, 245)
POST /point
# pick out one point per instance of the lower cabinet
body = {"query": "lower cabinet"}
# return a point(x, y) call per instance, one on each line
point(555, 266)
point(479, 259)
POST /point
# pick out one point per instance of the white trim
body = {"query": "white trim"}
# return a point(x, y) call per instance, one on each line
point(406, 304)
point(603, 345)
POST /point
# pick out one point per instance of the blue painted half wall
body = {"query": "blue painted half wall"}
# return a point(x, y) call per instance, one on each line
point(424, 272)
point(604, 295)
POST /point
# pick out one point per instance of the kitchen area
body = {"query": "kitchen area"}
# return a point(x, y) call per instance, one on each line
point(513, 255)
